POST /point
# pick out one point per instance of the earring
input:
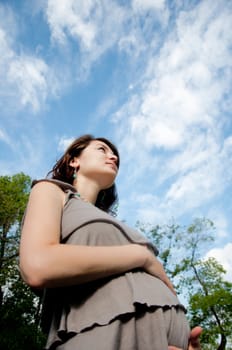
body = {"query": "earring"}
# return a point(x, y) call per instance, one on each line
point(75, 173)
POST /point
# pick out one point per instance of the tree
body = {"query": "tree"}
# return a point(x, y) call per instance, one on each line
point(177, 243)
point(211, 303)
point(18, 305)
point(13, 197)
point(199, 282)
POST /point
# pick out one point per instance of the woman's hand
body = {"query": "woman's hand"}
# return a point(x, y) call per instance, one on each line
point(154, 267)
point(194, 340)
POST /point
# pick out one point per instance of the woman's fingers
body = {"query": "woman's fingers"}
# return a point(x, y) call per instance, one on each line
point(154, 267)
point(194, 340)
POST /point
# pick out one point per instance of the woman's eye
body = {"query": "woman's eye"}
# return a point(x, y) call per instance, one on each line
point(101, 148)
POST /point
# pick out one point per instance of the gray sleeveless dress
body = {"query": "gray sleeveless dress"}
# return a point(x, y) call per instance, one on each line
point(129, 311)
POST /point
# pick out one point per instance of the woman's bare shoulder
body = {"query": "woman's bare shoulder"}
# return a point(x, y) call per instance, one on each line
point(47, 190)
point(52, 183)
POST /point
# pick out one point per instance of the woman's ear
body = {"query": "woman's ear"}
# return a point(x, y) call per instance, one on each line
point(75, 163)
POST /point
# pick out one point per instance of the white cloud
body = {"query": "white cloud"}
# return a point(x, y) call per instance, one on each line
point(83, 31)
point(157, 7)
point(25, 79)
point(28, 75)
point(191, 177)
point(73, 18)
point(171, 128)
point(176, 117)
point(224, 257)
point(64, 142)
point(220, 222)
point(5, 137)
point(148, 4)
point(203, 172)
point(8, 20)
point(129, 44)
point(94, 26)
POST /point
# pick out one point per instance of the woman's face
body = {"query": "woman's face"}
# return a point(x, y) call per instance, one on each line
point(97, 162)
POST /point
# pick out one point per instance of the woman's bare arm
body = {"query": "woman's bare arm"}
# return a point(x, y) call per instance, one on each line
point(44, 262)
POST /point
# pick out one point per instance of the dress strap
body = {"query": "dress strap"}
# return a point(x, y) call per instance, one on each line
point(65, 186)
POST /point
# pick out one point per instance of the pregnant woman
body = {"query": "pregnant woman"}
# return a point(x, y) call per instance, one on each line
point(104, 288)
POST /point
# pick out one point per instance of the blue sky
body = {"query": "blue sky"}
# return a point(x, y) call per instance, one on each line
point(153, 76)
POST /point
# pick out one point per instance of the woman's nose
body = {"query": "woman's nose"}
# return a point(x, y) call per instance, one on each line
point(113, 157)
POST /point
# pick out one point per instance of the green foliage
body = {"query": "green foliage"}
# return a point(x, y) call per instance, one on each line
point(19, 317)
point(201, 283)
point(13, 198)
point(211, 304)
point(18, 305)
point(179, 245)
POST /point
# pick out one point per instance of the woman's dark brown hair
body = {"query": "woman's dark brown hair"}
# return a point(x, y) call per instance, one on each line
point(107, 199)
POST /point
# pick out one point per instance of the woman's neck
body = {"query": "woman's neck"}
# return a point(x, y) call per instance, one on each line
point(87, 190)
